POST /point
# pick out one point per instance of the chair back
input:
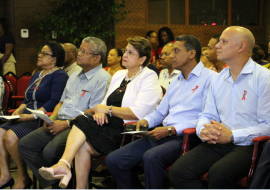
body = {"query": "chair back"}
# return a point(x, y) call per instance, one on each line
point(6, 98)
point(22, 84)
point(12, 78)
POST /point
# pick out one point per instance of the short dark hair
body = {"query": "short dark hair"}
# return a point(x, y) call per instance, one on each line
point(169, 33)
point(148, 34)
point(142, 46)
point(191, 43)
point(216, 36)
point(58, 52)
point(119, 53)
point(257, 53)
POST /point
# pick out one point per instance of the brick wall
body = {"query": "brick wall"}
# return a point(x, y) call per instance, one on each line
point(136, 25)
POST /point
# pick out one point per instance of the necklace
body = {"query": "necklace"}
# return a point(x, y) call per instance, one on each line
point(130, 79)
point(113, 71)
point(40, 74)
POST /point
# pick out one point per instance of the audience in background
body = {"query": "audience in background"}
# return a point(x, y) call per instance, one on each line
point(70, 65)
point(152, 37)
point(236, 111)
point(204, 59)
point(133, 93)
point(168, 73)
point(84, 90)
point(165, 35)
point(211, 54)
point(179, 109)
point(264, 47)
point(258, 56)
point(6, 47)
point(43, 93)
point(114, 61)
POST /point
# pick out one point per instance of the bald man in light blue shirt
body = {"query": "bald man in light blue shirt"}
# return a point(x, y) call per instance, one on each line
point(236, 111)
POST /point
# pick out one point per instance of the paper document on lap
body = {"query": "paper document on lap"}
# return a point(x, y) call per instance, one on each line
point(41, 115)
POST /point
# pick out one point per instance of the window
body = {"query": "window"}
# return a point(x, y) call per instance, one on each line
point(245, 12)
point(166, 11)
point(208, 12)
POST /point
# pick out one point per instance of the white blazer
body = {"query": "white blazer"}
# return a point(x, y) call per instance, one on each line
point(142, 94)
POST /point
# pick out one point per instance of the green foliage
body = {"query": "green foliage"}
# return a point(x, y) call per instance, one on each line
point(74, 20)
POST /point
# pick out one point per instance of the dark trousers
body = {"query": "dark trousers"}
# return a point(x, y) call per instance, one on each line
point(261, 178)
point(42, 149)
point(155, 155)
point(226, 163)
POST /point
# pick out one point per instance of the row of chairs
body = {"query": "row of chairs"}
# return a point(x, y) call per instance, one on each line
point(14, 94)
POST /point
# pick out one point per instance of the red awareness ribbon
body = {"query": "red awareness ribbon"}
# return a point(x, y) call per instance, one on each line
point(194, 89)
point(82, 95)
point(244, 96)
point(36, 88)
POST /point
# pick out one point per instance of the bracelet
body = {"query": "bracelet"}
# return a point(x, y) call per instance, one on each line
point(110, 111)
point(53, 117)
point(68, 122)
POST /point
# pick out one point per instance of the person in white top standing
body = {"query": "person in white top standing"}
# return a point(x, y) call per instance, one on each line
point(168, 73)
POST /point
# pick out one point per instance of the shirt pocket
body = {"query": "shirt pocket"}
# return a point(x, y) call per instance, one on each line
point(84, 100)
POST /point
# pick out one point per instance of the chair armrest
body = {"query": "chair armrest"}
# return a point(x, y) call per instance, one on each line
point(130, 123)
point(48, 113)
point(11, 111)
point(261, 139)
point(189, 131)
point(18, 97)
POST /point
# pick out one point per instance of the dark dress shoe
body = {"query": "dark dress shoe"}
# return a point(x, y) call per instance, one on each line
point(10, 183)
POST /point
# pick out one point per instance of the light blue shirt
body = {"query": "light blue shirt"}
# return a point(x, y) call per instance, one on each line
point(83, 91)
point(242, 106)
point(183, 101)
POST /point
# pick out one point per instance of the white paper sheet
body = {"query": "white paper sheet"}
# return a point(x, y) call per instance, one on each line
point(10, 117)
point(41, 115)
point(135, 132)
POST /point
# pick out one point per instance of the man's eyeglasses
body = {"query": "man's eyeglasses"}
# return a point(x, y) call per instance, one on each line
point(85, 53)
point(129, 53)
point(42, 53)
point(166, 55)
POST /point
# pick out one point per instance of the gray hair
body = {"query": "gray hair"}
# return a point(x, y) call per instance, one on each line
point(98, 46)
point(191, 43)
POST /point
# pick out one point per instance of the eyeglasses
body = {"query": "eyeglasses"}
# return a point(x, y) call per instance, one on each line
point(129, 53)
point(166, 54)
point(43, 53)
point(85, 53)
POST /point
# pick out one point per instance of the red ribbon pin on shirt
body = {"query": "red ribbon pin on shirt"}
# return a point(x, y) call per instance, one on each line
point(194, 89)
point(36, 87)
point(82, 95)
point(244, 96)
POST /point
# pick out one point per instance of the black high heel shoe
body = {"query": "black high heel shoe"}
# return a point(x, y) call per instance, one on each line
point(28, 185)
point(10, 183)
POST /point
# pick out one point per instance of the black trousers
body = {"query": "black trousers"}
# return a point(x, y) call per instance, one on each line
point(261, 178)
point(226, 163)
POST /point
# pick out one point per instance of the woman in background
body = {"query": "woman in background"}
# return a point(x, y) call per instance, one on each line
point(114, 61)
point(43, 93)
point(6, 47)
point(152, 37)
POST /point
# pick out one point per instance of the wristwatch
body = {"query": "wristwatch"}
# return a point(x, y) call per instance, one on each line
point(169, 133)
point(110, 111)
point(232, 139)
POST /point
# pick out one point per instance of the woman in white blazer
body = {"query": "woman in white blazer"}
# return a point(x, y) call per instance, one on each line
point(133, 93)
